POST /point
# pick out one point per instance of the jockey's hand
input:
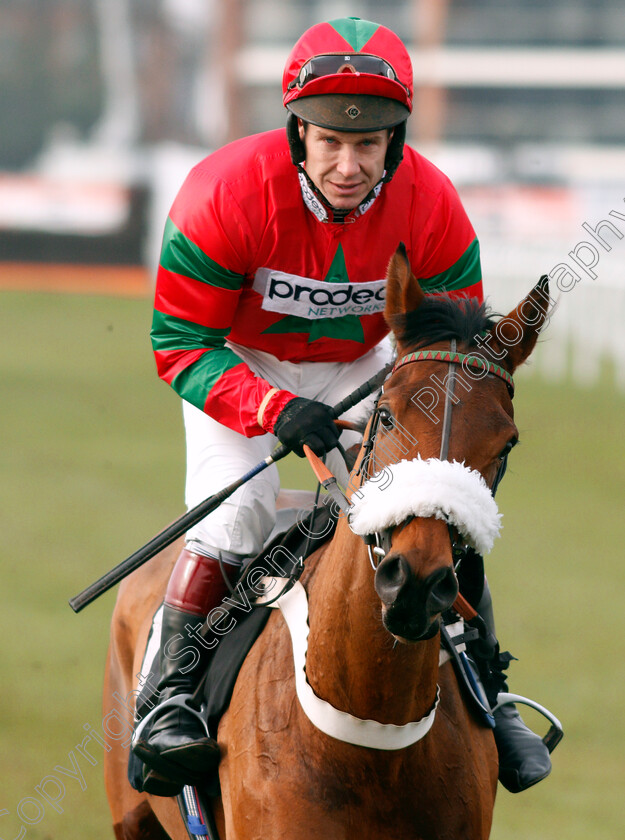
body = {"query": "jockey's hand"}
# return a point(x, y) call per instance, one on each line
point(303, 421)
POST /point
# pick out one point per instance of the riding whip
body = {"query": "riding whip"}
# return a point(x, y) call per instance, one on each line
point(181, 525)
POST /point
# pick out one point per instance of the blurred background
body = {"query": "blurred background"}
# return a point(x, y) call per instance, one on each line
point(104, 106)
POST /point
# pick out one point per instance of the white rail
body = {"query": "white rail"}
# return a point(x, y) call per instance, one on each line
point(485, 67)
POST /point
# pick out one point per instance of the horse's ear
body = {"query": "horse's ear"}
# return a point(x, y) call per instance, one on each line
point(517, 333)
point(403, 292)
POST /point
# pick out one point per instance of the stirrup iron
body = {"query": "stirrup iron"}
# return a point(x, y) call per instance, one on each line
point(177, 700)
point(555, 733)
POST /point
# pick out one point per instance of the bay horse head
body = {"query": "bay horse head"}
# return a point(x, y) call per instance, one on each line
point(449, 422)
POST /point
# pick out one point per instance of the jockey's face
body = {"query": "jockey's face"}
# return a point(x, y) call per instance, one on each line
point(345, 166)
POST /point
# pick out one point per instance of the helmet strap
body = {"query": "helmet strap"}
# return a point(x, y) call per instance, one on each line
point(395, 151)
point(296, 144)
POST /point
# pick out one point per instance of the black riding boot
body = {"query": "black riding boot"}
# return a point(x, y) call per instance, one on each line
point(523, 757)
point(177, 746)
point(176, 749)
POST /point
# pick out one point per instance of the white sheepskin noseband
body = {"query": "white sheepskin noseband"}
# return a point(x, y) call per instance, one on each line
point(446, 490)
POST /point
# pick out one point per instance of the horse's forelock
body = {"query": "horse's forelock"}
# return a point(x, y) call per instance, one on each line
point(441, 318)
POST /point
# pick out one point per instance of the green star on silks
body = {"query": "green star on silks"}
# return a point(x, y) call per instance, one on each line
point(347, 327)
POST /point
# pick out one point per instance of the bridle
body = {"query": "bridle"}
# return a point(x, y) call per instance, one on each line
point(379, 543)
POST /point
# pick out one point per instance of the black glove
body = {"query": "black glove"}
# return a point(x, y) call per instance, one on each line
point(303, 421)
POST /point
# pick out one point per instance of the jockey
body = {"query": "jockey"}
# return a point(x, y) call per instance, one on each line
point(269, 308)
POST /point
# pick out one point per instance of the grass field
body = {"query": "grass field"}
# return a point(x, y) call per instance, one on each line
point(92, 467)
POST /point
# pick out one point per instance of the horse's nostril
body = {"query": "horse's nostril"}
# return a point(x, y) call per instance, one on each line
point(443, 588)
point(391, 576)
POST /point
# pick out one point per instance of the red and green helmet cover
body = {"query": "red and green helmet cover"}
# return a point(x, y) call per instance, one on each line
point(381, 101)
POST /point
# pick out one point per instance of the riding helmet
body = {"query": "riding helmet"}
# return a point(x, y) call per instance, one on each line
point(349, 75)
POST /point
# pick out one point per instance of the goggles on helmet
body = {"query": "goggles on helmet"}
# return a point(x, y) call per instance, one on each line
point(335, 63)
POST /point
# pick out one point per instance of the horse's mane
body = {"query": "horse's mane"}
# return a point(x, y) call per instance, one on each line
point(441, 318)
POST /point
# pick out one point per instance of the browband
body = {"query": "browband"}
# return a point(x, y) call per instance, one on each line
point(463, 359)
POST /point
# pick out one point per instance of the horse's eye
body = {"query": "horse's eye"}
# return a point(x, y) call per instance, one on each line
point(386, 420)
point(508, 448)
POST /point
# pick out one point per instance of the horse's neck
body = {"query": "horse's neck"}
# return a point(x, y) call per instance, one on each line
point(353, 662)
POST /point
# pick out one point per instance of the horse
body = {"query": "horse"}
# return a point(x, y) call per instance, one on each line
point(373, 647)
